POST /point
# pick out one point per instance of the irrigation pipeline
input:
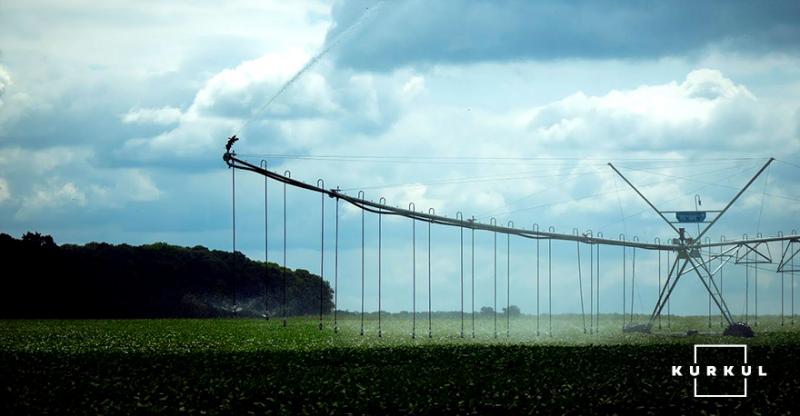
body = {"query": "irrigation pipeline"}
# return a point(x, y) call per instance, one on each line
point(430, 217)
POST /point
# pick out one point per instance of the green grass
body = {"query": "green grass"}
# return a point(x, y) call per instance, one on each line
point(236, 366)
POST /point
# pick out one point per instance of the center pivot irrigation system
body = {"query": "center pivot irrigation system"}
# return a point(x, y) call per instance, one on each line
point(688, 257)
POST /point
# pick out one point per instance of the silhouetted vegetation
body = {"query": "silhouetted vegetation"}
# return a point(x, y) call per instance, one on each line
point(99, 280)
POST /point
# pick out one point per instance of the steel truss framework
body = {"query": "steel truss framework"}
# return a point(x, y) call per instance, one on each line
point(689, 255)
point(686, 260)
point(786, 263)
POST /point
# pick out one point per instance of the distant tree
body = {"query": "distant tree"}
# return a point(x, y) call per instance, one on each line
point(38, 240)
point(513, 310)
point(100, 280)
point(487, 310)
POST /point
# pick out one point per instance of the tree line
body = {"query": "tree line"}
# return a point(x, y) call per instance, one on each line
point(98, 280)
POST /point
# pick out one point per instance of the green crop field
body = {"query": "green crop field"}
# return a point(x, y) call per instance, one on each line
point(241, 366)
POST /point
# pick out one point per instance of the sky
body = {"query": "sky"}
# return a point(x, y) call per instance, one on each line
point(113, 118)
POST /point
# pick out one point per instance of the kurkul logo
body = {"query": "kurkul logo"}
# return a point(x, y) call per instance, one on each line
point(700, 372)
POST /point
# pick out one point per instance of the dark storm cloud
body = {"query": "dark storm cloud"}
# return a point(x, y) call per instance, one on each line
point(412, 32)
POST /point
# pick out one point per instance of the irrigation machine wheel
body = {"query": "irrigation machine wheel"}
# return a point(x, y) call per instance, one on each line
point(738, 329)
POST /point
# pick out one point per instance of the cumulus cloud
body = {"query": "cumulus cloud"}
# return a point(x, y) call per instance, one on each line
point(697, 113)
point(193, 138)
point(129, 185)
point(5, 81)
point(50, 196)
point(164, 115)
point(453, 31)
point(320, 105)
point(243, 90)
point(62, 182)
point(232, 96)
point(129, 149)
point(141, 187)
point(43, 162)
point(5, 192)
point(414, 86)
point(701, 113)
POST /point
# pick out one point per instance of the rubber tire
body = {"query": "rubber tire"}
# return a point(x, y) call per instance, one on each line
point(738, 329)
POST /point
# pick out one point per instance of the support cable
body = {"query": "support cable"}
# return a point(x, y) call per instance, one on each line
point(472, 292)
point(780, 234)
point(361, 196)
point(794, 232)
point(580, 281)
point(382, 200)
point(266, 247)
point(550, 280)
point(493, 221)
point(336, 273)
point(536, 228)
point(412, 207)
point(633, 277)
point(669, 314)
point(321, 184)
point(591, 286)
point(508, 281)
point(708, 240)
point(460, 217)
point(658, 241)
point(233, 204)
point(721, 264)
point(624, 295)
point(430, 307)
point(746, 284)
point(283, 271)
point(597, 318)
point(755, 283)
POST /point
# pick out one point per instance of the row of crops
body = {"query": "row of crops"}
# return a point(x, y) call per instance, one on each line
point(241, 366)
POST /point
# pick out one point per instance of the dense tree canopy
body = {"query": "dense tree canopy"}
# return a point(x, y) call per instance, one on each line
point(99, 280)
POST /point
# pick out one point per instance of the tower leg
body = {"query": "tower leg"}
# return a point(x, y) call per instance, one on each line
point(666, 291)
